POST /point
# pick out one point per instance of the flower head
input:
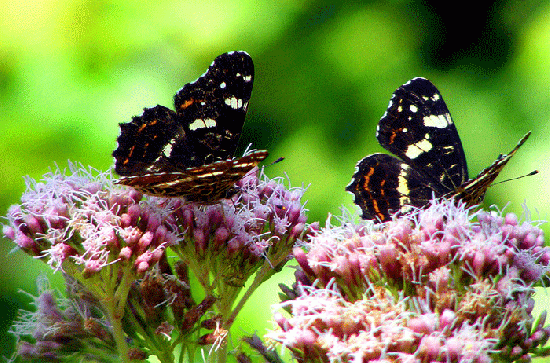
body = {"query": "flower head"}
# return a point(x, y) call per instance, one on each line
point(59, 328)
point(111, 247)
point(435, 285)
point(81, 222)
point(235, 237)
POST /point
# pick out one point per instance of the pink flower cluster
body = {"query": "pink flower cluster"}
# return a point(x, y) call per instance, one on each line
point(111, 247)
point(435, 285)
point(262, 222)
point(83, 223)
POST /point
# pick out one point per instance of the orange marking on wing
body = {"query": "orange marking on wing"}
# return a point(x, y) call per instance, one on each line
point(394, 135)
point(366, 180)
point(142, 127)
point(187, 104)
point(129, 154)
point(377, 210)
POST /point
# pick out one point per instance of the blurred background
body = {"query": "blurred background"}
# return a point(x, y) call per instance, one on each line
point(70, 71)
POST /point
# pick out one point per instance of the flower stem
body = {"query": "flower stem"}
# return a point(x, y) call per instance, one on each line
point(261, 276)
point(115, 304)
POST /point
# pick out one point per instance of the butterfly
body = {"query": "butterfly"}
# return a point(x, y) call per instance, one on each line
point(417, 127)
point(189, 152)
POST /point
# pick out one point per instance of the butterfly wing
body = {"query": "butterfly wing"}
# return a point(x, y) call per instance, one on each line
point(383, 185)
point(205, 184)
point(417, 127)
point(474, 190)
point(213, 108)
point(144, 143)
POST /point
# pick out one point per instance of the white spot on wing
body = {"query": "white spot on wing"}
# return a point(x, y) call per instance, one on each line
point(403, 187)
point(201, 124)
point(223, 85)
point(439, 121)
point(211, 174)
point(415, 150)
point(413, 108)
point(167, 150)
point(234, 103)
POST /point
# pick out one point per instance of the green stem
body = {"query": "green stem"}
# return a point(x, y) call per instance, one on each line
point(118, 334)
point(115, 298)
point(262, 275)
point(113, 295)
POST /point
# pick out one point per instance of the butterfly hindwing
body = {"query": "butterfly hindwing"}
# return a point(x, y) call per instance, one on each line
point(383, 185)
point(144, 142)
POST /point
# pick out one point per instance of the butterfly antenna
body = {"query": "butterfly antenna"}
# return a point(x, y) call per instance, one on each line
point(278, 160)
point(534, 172)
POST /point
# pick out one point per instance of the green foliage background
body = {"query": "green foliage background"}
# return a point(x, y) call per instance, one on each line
point(71, 70)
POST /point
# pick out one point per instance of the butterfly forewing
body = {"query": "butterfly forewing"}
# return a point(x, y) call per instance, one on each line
point(213, 108)
point(418, 128)
point(205, 185)
point(474, 190)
